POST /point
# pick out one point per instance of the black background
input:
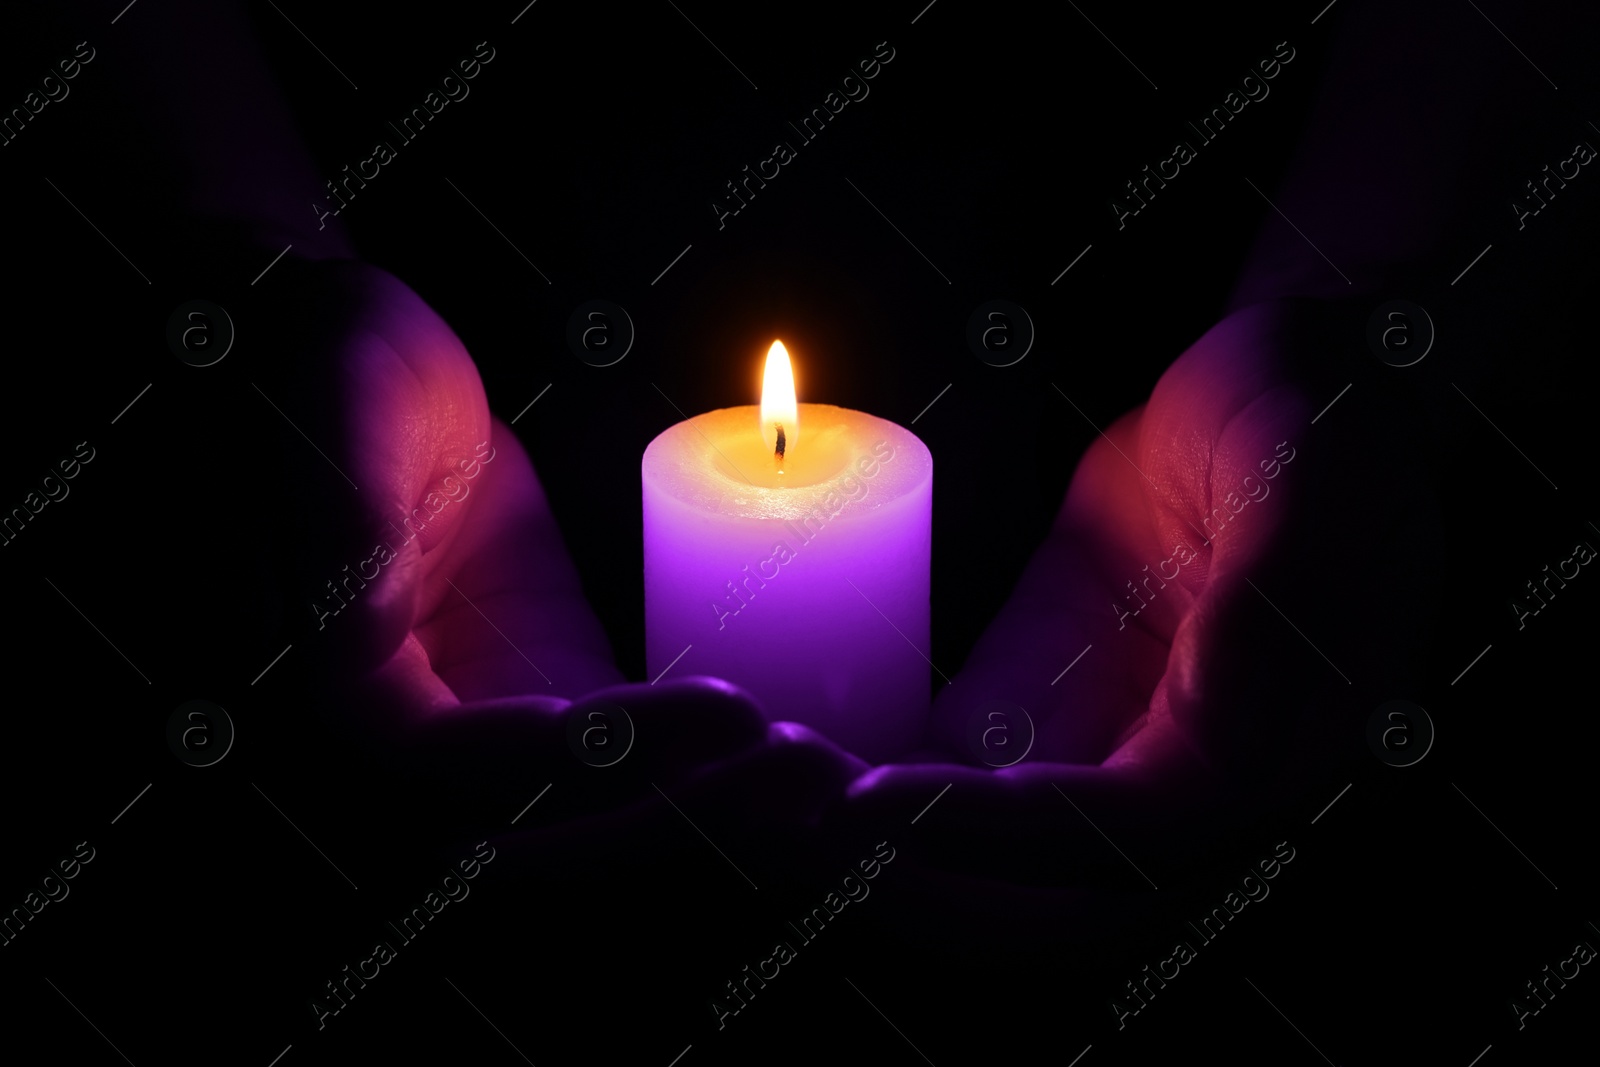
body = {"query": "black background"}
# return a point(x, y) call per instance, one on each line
point(595, 142)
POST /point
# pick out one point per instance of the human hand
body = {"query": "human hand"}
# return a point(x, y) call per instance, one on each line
point(461, 644)
point(1259, 547)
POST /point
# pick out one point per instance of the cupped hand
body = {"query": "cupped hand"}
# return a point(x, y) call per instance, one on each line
point(1214, 612)
point(455, 627)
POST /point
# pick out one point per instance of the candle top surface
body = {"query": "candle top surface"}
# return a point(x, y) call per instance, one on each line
point(720, 462)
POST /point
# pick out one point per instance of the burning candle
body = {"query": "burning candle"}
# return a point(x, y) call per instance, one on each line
point(786, 550)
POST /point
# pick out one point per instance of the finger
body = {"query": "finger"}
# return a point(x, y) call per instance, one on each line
point(598, 752)
point(1071, 647)
point(1311, 526)
point(1116, 825)
point(379, 402)
point(436, 514)
point(502, 611)
point(671, 727)
point(732, 811)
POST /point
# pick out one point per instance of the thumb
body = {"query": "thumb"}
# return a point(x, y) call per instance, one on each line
point(382, 405)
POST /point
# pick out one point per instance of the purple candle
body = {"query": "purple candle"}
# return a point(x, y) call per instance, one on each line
point(787, 550)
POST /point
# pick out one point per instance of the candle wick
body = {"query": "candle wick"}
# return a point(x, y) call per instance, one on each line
point(778, 452)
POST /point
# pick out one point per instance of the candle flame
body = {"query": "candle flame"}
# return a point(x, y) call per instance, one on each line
point(780, 415)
